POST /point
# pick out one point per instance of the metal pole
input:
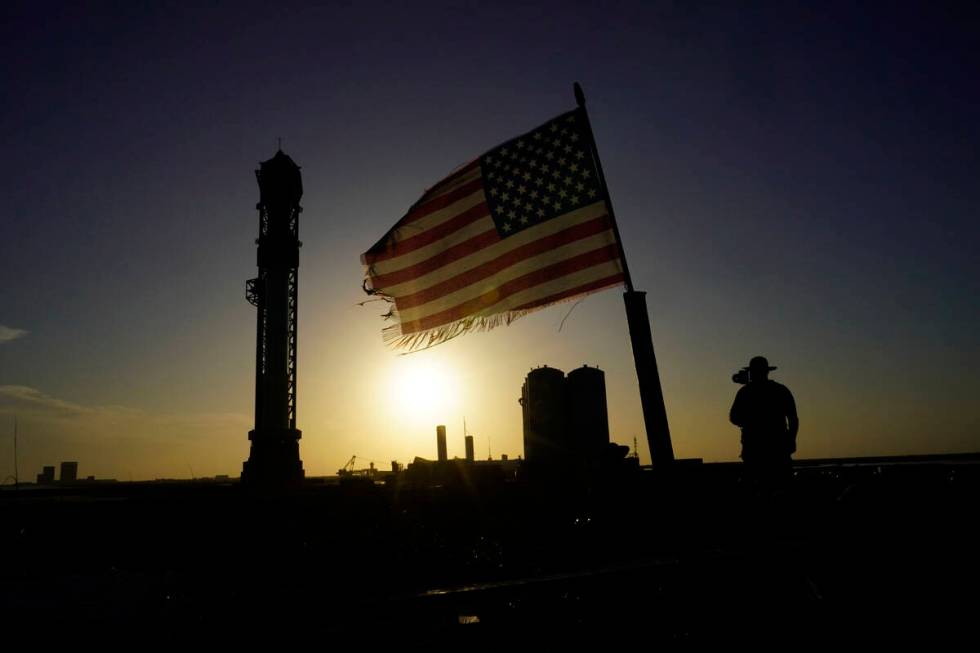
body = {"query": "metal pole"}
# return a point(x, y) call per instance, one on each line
point(638, 319)
point(651, 392)
point(580, 99)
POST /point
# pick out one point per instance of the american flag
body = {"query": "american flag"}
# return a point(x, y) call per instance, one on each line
point(521, 227)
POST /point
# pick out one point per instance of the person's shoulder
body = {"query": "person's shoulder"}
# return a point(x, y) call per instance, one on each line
point(779, 387)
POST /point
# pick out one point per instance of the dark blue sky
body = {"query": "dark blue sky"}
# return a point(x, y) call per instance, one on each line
point(798, 181)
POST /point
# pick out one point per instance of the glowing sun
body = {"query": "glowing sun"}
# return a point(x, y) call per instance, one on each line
point(423, 388)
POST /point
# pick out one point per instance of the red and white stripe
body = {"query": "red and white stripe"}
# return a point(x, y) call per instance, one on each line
point(444, 261)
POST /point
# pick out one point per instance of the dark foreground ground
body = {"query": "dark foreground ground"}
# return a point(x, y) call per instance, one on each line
point(884, 551)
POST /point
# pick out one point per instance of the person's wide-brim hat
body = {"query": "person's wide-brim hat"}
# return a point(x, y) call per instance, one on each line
point(760, 362)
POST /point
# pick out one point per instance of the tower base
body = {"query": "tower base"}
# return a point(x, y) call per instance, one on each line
point(273, 458)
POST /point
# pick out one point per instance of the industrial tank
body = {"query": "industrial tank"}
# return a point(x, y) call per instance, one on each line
point(546, 441)
point(588, 417)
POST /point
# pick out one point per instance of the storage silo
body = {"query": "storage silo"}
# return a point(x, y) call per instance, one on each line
point(543, 404)
point(588, 414)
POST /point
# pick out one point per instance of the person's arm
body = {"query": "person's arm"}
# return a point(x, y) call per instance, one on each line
point(735, 414)
point(792, 421)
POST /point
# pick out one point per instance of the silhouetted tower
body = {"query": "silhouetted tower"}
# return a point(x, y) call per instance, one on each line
point(441, 443)
point(470, 454)
point(274, 454)
point(588, 417)
point(546, 438)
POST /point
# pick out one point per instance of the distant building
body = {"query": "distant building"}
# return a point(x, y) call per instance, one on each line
point(470, 456)
point(69, 472)
point(459, 473)
point(46, 477)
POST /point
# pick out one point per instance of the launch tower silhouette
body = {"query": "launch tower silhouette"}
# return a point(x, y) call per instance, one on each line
point(274, 452)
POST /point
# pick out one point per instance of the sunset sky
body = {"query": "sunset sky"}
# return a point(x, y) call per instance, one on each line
point(800, 183)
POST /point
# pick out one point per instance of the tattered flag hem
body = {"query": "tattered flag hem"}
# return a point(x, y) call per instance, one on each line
point(393, 337)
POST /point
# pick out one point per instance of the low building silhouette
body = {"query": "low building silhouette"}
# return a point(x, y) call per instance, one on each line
point(46, 477)
point(69, 472)
point(460, 473)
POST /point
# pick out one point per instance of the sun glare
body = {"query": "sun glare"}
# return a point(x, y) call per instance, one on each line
point(423, 388)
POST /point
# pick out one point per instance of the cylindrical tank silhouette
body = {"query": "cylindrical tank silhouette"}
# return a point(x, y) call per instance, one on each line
point(546, 442)
point(588, 417)
point(441, 443)
point(469, 449)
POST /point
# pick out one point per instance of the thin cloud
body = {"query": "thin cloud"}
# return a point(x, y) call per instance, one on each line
point(22, 397)
point(8, 334)
point(31, 398)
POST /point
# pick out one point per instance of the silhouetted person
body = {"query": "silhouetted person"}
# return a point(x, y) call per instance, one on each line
point(766, 413)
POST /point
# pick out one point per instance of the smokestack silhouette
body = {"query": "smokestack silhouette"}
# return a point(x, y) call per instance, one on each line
point(441, 443)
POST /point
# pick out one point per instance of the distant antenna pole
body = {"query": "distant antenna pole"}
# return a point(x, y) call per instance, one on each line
point(638, 320)
point(489, 452)
point(16, 475)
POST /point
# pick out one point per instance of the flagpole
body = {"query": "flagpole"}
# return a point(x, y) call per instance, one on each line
point(638, 319)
